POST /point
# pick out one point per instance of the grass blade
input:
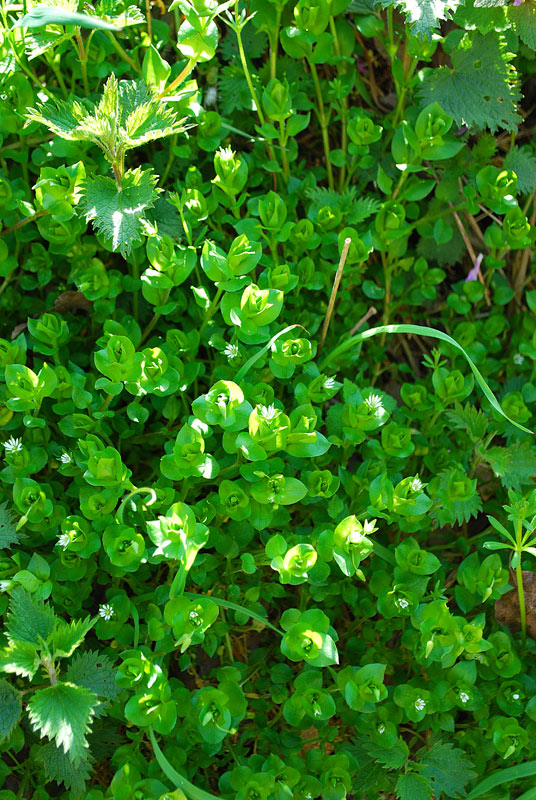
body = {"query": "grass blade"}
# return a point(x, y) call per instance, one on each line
point(508, 775)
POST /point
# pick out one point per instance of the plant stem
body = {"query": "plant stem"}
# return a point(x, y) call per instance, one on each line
point(24, 222)
point(124, 55)
point(323, 120)
point(519, 580)
point(179, 79)
point(148, 18)
point(83, 60)
point(211, 309)
point(334, 290)
point(274, 42)
point(136, 279)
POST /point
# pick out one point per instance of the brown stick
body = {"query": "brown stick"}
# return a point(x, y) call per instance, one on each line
point(334, 290)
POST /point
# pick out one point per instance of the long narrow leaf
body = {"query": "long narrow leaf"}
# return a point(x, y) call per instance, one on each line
point(46, 15)
point(240, 609)
point(423, 330)
point(508, 775)
point(191, 791)
point(249, 363)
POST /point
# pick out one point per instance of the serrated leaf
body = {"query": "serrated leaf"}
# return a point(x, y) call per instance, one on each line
point(523, 20)
point(10, 708)
point(130, 16)
point(424, 16)
point(514, 465)
point(447, 768)
point(522, 161)
point(413, 787)
point(474, 421)
point(480, 90)
point(8, 528)
point(67, 637)
point(95, 672)
point(20, 658)
point(118, 215)
point(59, 767)
point(29, 620)
point(50, 15)
point(63, 712)
point(392, 757)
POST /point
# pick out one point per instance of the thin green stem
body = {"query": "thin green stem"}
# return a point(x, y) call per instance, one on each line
point(136, 279)
point(274, 42)
point(323, 120)
point(180, 77)
point(124, 55)
point(519, 580)
point(211, 309)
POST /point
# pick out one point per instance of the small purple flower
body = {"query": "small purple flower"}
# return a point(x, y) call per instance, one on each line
point(473, 273)
point(517, 2)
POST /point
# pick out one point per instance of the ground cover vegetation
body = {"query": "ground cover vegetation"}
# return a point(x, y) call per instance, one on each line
point(267, 499)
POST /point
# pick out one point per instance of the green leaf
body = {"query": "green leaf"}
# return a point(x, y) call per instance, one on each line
point(10, 708)
point(423, 330)
point(59, 767)
point(514, 465)
point(523, 20)
point(122, 18)
point(67, 637)
point(95, 672)
point(48, 15)
point(63, 712)
point(522, 161)
point(29, 620)
point(508, 775)
point(20, 658)
point(191, 791)
point(413, 787)
point(118, 214)
point(447, 768)
point(480, 90)
point(424, 16)
point(8, 528)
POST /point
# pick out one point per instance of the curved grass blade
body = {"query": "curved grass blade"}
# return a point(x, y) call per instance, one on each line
point(191, 791)
point(236, 607)
point(249, 363)
point(508, 775)
point(46, 15)
point(423, 330)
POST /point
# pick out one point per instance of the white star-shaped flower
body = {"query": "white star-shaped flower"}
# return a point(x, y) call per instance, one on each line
point(13, 445)
point(106, 611)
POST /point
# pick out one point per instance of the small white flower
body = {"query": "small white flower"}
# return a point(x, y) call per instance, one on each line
point(401, 602)
point(231, 351)
point(369, 526)
point(13, 445)
point(518, 359)
point(106, 611)
point(65, 458)
point(64, 540)
point(374, 402)
point(416, 484)
point(330, 383)
point(420, 704)
point(381, 729)
point(464, 697)
point(269, 412)
point(515, 696)
point(211, 95)
point(5, 585)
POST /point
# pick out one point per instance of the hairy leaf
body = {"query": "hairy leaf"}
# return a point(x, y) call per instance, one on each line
point(63, 712)
point(447, 768)
point(413, 787)
point(480, 90)
point(522, 161)
point(424, 16)
point(20, 658)
point(514, 465)
point(30, 620)
point(118, 214)
point(67, 637)
point(95, 672)
point(8, 528)
point(523, 20)
point(59, 767)
point(10, 708)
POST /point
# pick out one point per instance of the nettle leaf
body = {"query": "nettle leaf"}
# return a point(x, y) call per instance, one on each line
point(95, 672)
point(130, 16)
point(514, 465)
point(62, 117)
point(30, 619)
point(20, 658)
point(522, 161)
point(59, 767)
point(447, 768)
point(63, 712)
point(10, 708)
point(118, 215)
point(480, 90)
point(67, 637)
point(424, 16)
point(8, 528)
point(523, 20)
point(413, 787)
